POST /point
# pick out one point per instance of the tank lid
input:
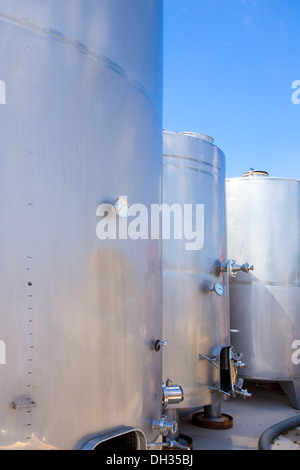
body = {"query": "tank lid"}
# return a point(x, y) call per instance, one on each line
point(207, 138)
point(253, 172)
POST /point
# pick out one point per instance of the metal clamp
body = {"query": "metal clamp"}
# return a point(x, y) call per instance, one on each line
point(23, 406)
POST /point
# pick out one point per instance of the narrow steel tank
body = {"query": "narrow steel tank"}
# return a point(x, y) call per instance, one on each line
point(196, 323)
point(80, 126)
point(263, 226)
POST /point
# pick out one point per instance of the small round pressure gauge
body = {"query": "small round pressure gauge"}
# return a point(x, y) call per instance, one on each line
point(219, 289)
point(121, 207)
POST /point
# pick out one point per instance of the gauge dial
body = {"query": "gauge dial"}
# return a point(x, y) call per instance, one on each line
point(219, 288)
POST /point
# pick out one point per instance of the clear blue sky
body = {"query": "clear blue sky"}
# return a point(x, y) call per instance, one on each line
point(229, 66)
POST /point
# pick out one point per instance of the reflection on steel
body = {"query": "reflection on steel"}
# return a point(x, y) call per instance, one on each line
point(263, 226)
point(81, 126)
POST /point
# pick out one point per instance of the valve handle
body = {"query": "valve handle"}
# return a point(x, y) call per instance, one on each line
point(158, 344)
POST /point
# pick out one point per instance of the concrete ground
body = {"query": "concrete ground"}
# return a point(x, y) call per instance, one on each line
point(251, 417)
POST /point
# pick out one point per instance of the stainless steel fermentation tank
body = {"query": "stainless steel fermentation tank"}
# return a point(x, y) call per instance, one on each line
point(263, 225)
point(196, 324)
point(81, 126)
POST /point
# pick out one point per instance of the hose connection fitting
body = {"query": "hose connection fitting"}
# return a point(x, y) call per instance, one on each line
point(171, 394)
point(165, 426)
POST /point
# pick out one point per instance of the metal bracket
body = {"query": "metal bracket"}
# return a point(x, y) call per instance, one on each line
point(23, 406)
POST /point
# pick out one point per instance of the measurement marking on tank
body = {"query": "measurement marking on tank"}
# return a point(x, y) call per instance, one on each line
point(30, 336)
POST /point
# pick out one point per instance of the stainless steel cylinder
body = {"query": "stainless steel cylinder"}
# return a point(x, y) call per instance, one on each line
point(195, 291)
point(81, 126)
point(263, 227)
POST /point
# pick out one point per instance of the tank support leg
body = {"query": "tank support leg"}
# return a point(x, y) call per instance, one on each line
point(213, 411)
point(213, 418)
point(292, 390)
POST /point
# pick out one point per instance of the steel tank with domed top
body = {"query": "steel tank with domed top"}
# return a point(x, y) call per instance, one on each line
point(263, 225)
point(81, 126)
point(196, 323)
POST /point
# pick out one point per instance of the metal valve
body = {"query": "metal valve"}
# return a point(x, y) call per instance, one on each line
point(171, 394)
point(165, 426)
point(243, 393)
point(232, 268)
point(158, 344)
point(238, 390)
point(241, 365)
point(236, 358)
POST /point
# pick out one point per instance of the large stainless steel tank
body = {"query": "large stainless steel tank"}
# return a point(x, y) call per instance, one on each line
point(80, 127)
point(263, 225)
point(195, 290)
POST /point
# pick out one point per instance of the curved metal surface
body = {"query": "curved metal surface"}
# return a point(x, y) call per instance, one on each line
point(138, 439)
point(263, 226)
point(81, 126)
point(195, 318)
